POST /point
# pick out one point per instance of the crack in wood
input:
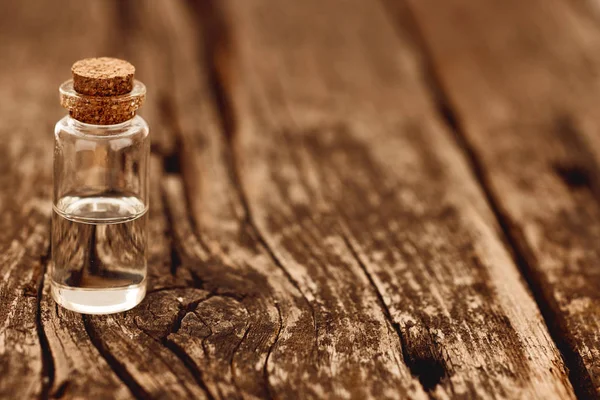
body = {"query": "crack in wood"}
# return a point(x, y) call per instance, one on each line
point(252, 227)
point(136, 389)
point(47, 360)
point(174, 346)
point(190, 365)
point(295, 160)
point(61, 390)
point(234, 352)
point(125, 20)
point(175, 257)
point(197, 377)
point(187, 308)
point(176, 350)
point(168, 114)
point(265, 367)
point(429, 370)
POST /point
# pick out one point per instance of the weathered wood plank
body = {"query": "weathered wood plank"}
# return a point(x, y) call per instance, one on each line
point(355, 184)
point(270, 348)
point(522, 78)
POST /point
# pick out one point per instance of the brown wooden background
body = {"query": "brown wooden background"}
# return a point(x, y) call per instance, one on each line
point(350, 199)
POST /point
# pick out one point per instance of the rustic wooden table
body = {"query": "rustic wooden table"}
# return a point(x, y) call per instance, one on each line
point(350, 199)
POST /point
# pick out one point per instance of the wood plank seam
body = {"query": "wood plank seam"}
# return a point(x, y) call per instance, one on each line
point(428, 370)
point(578, 374)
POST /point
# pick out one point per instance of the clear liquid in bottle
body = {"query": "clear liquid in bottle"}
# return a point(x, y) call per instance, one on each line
point(99, 249)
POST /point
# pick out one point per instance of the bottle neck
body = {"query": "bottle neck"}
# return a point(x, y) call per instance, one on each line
point(102, 110)
point(101, 130)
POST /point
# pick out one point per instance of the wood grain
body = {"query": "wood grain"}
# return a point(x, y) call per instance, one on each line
point(355, 185)
point(521, 78)
point(318, 229)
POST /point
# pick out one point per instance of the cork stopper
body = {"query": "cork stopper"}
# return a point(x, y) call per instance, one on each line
point(102, 91)
point(103, 76)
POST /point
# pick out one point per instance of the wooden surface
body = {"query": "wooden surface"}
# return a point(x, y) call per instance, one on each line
point(350, 199)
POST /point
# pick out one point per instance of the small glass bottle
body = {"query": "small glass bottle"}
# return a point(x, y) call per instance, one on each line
point(99, 224)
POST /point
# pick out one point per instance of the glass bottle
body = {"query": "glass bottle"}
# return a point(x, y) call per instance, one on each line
point(100, 202)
